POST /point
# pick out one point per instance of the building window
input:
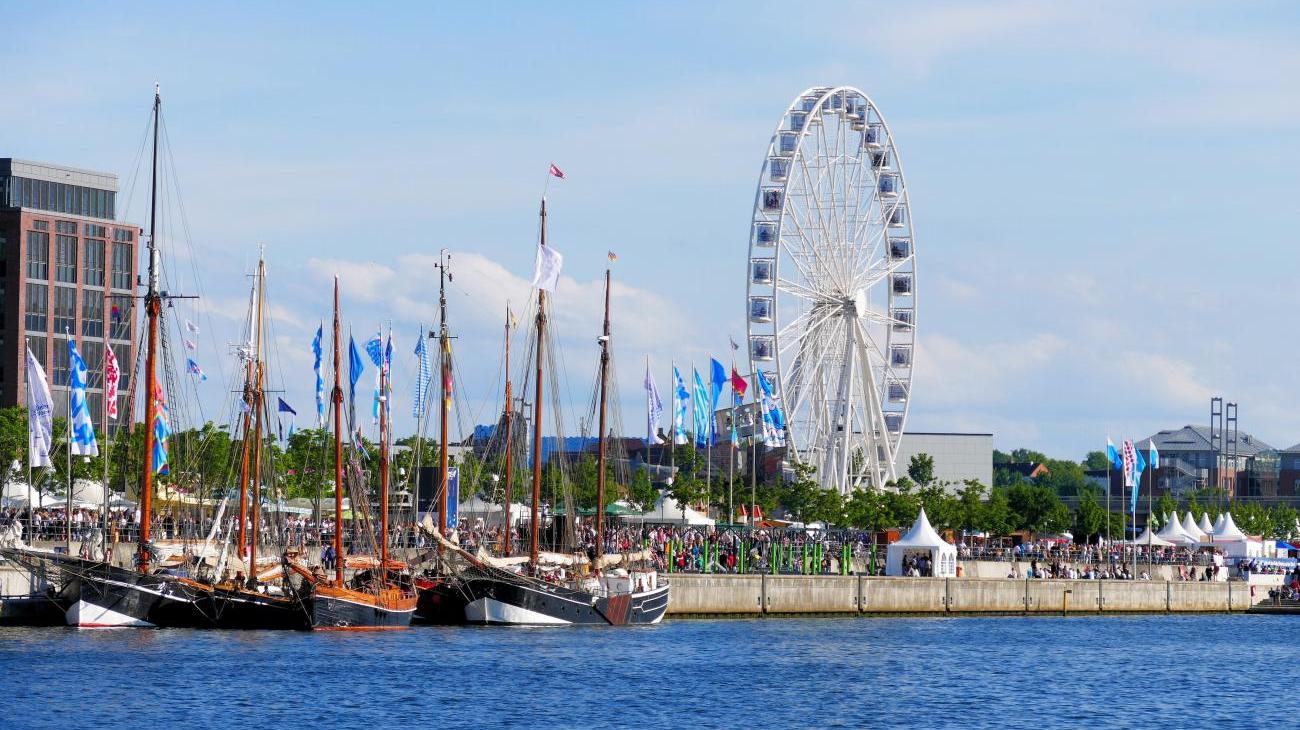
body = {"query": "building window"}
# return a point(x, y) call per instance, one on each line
point(119, 318)
point(122, 253)
point(65, 259)
point(94, 257)
point(60, 365)
point(37, 345)
point(67, 227)
point(65, 309)
point(94, 231)
point(38, 255)
point(123, 234)
point(92, 315)
point(41, 225)
point(38, 304)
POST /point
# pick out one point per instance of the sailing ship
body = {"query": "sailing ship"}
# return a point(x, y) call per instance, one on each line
point(542, 594)
point(377, 596)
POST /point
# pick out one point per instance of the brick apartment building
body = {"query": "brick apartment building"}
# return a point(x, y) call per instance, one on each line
point(68, 271)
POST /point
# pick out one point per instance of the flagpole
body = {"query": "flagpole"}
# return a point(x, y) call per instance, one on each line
point(1109, 513)
point(67, 503)
point(103, 419)
point(26, 371)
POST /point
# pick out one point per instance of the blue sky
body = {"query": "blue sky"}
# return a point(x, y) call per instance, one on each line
point(1104, 192)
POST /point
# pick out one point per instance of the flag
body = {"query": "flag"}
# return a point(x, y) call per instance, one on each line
point(355, 366)
point(112, 375)
point(1154, 460)
point(320, 382)
point(422, 378)
point(161, 430)
point(773, 420)
point(1129, 455)
point(375, 349)
point(681, 407)
point(115, 314)
point(546, 270)
point(717, 379)
point(82, 438)
point(611, 256)
point(1112, 453)
point(193, 368)
point(1139, 465)
point(40, 412)
point(556, 172)
point(190, 345)
point(654, 406)
point(699, 400)
point(191, 327)
point(734, 346)
point(738, 384)
point(283, 407)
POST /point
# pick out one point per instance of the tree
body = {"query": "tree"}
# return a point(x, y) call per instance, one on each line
point(1036, 508)
point(997, 513)
point(799, 495)
point(641, 493)
point(1096, 461)
point(970, 506)
point(1065, 478)
point(1089, 518)
point(1164, 505)
point(921, 469)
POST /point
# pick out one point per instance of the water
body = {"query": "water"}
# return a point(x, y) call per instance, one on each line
point(1100, 672)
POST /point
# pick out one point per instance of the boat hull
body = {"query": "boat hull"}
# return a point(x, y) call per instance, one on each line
point(229, 608)
point(111, 597)
point(335, 609)
point(518, 603)
point(439, 602)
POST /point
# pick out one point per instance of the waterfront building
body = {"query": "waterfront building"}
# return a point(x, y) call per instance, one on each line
point(1189, 461)
point(68, 271)
point(958, 457)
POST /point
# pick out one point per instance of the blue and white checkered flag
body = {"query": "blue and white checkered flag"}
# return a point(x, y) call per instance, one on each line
point(423, 378)
point(83, 428)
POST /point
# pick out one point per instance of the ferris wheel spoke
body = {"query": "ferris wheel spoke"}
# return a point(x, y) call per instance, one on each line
point(799, 290)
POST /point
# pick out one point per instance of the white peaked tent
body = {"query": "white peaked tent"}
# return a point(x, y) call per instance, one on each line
point(1234, 542)
point(668, 511)
point(1175, 534)
point(1191, 528)
point(1218, 523)
point(1146, 538)
point(922, 539)
point(1205, 525)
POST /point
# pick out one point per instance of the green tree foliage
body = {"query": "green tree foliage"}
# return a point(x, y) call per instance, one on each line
point(800, 495)
point(1089, 517)
point(1037, 508)
point(921, 469)
point(1096, 461)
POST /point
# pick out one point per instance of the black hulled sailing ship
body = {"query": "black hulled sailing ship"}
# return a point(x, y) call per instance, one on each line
point(537, 595)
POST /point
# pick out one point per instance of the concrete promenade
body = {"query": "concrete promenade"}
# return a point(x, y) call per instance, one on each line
point(783, 595)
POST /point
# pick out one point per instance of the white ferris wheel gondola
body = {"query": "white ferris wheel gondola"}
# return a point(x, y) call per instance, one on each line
point(831, 295)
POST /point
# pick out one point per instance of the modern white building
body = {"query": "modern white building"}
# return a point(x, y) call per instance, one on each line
point(957, 456)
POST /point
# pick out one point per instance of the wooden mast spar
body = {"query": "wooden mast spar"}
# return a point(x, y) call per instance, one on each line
point(256, 407)
point(383, 464)
point(337, 397)
point(535, 513)
point(153, 308)
point(509, 467)
point(600, 440)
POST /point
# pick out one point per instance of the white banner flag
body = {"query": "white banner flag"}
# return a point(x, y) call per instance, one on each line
point(40, 414)
point(546, 271)
point(654, 407)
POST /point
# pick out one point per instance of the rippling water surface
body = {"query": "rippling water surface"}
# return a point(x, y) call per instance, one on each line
point(1158, 671)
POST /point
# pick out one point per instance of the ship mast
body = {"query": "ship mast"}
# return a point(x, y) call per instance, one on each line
point(338, 450)
point(153, 309)
point(257, 406)
point(600, 439)
point(253, 324)
point(509, 418)
point(535, 521)
point(383, 464)
point(444, 350)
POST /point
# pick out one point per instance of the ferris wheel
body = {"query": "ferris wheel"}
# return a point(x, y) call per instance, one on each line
point(831, 296)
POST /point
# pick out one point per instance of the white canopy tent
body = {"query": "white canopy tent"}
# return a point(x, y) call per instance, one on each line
point(1205, 525)
point(1218, 523)
point(1149, 539)
point(477, 508)
point(922, 539)
point(21, 494)
point(1233, 542)
point(1174, 534)
point(1191, 528)
point(669, 511)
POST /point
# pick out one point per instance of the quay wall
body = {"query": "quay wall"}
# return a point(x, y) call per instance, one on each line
point(780, 595)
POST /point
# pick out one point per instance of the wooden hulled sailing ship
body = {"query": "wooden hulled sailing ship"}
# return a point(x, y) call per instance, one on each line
point(376, 596)
point(542, 592)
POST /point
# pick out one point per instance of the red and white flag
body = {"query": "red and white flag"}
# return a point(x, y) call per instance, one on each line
point(111, 376)
point(556, 172)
